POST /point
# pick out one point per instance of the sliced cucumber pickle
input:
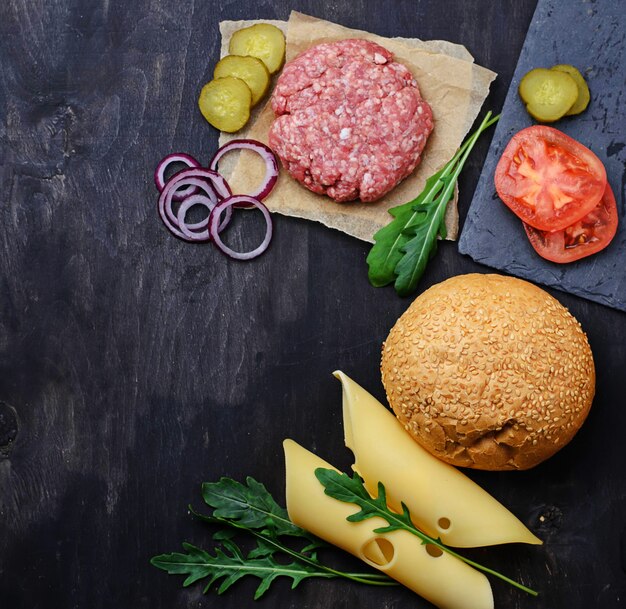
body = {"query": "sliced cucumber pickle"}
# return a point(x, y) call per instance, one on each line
point(548, 94)
point(262, 40)
point(225, 103)
point(249, 69)
point(582, 101)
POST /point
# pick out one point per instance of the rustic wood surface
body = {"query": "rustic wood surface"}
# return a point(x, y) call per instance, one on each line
point(134, 366)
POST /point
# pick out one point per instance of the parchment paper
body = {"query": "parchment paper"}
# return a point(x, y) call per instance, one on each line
point(449, 81)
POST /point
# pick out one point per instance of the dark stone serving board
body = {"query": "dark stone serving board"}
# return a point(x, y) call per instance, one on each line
point(591, 35)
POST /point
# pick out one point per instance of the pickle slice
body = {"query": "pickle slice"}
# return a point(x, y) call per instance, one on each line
point(249, 69)
point(548, 94)
point(225, 103)
point(582, 101)
point(264, 41)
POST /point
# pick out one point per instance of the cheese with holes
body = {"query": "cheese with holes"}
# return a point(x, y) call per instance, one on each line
point(443, 502)
point(444, 580)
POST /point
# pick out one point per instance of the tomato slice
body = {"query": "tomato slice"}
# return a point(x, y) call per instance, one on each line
point(583, 238)
point(548, 179)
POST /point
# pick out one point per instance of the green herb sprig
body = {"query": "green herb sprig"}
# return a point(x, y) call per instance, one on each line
point(403, 248)
point(250, 509)
point(351, 490)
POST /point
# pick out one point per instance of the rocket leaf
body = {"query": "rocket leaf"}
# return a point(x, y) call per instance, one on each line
point(249, 509)
point(250, 505)
point(229, 565)
point(403, 248)
point(351, 490)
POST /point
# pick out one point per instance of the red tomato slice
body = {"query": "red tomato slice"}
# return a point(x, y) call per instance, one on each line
point(548, 179)
point(583, 238)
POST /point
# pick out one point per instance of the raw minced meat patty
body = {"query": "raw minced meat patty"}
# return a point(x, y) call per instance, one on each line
point(350, 122)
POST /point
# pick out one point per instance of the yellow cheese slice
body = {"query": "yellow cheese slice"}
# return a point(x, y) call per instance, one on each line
point(439, 577)
point(443, 502)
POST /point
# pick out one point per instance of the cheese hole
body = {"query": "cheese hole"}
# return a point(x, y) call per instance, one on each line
point(434, 551)
point(378, 551)
point(444, 523)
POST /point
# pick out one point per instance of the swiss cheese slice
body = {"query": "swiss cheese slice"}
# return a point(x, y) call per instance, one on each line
point(439, 577)
point(443, 502)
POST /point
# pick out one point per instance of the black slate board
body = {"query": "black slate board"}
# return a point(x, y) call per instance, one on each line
point(588, 34)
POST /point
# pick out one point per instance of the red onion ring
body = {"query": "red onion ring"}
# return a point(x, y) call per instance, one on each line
point(213, 185)
point(159, 173)
point(199, 184)
point(271, 164)
point(188, 229)
point(238, 201)
point(167, 214)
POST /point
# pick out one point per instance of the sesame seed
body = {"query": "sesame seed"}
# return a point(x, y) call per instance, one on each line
point(452, 345)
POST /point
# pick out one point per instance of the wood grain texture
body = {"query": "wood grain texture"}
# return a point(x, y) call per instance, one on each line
point(135, 366)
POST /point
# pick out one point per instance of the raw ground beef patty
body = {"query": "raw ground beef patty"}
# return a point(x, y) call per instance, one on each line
point(350, 122)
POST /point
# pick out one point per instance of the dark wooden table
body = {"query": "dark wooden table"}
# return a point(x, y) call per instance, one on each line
point(134, 366)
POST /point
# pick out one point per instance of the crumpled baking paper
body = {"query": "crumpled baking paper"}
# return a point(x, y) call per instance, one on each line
point(448, 79)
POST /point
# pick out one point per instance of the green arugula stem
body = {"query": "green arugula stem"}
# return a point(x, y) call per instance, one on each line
point(446, 180)
point(436, 542)
point(430, 194)
point(352, 490)
point(403, 247)
point(467, 146)
point(484, 569)
point(375, 579)
point(452, 164)
point(364, 578)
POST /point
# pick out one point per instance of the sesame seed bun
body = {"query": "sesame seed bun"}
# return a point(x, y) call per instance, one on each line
point(489, 372)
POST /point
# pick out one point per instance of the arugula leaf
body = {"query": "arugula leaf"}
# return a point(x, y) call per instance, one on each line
point(250, 505)
point(229, 565)
point(267, 541)
point(403, 248)
point(421, 247)
point(351, 490)
point(391, 239)
point(250, 509)
point(268, 544)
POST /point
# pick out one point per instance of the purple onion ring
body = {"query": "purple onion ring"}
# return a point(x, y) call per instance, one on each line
point(159, 173)
point(271, 164)
point(239, 201)
point(214, 187)
point(188, 229)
